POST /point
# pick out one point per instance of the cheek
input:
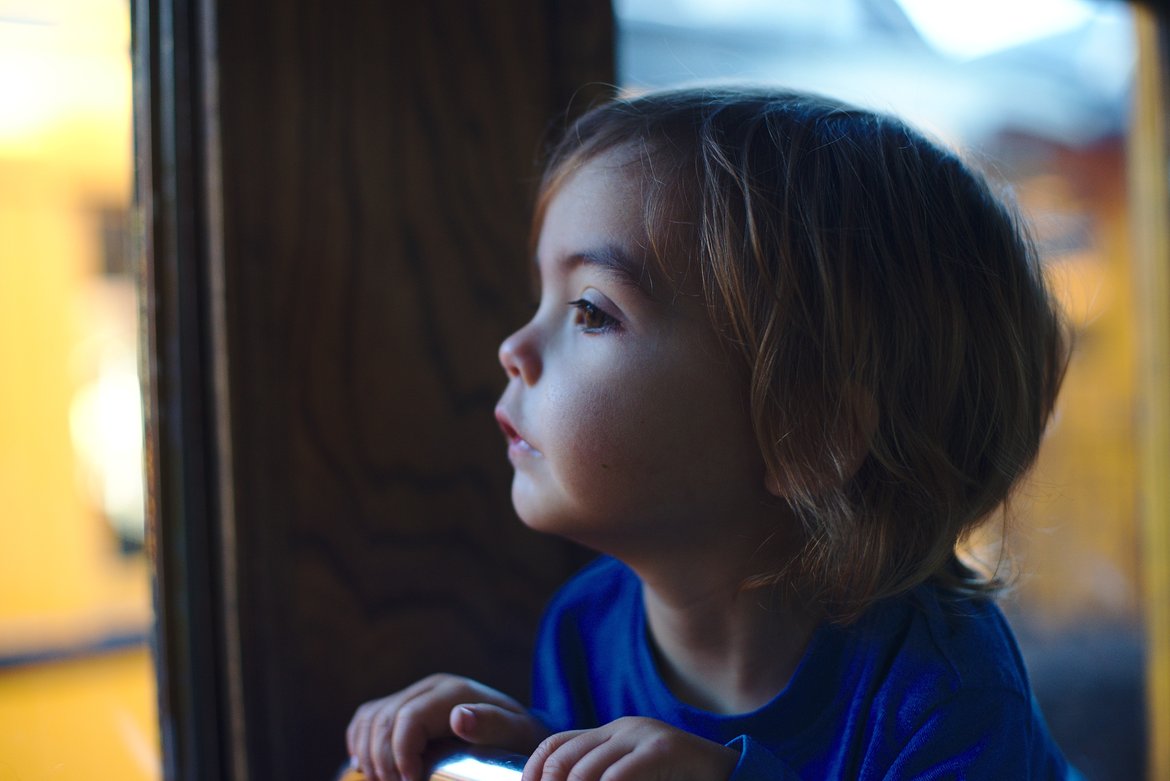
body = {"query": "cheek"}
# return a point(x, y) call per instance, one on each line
point(595, 455)
point(658, 442)
point(593, 436)
point(586, 485)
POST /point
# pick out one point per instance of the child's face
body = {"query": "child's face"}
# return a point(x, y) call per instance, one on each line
point(626, 424)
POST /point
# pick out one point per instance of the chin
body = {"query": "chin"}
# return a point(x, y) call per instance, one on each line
point(530, 511)
point(539, 508)
point(544, 520)
point(540, 522)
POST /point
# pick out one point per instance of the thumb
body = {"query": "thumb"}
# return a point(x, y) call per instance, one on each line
point(490, 725)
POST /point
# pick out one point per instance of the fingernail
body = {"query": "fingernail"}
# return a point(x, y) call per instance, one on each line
point(468, 717)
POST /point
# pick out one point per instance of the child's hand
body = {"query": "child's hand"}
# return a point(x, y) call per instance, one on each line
point(630, 749)
point(387, 737)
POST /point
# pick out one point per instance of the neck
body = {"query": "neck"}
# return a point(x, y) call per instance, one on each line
point(720, 647)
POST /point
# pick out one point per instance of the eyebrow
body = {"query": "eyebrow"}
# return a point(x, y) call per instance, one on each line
point(615, 262)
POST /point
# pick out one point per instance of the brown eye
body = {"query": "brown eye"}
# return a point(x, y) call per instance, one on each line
point(591, 317)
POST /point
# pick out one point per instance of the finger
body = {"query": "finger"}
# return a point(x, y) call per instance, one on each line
point(491, 725)
point(534, 767)
point(624, 767)
point(586, 761)
point(418, 722)
point(564, 751)
point(378, 756)
point(356, 731)
point(362, 737)
point(381, 756)
point(390, 735)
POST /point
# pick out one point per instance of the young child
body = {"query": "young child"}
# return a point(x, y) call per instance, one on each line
point(788, 354)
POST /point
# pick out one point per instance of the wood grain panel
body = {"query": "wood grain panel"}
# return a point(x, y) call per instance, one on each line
point(368, 173)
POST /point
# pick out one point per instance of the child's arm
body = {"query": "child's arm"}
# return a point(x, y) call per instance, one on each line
point(387, 737)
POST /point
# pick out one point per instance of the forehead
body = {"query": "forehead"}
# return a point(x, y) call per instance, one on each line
point(607, 207)
point(599, 202)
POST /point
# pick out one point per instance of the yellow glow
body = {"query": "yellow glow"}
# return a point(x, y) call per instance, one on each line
point(105, 414)
point(65, 160)
point(65, 87)
point(1083, 286)
point(90, 719)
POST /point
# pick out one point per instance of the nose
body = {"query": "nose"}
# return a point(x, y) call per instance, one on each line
point(520, 355)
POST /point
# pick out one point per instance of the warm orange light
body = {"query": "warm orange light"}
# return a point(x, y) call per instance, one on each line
point(67, 361)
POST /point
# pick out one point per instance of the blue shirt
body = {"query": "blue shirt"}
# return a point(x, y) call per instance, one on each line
point(919, 687)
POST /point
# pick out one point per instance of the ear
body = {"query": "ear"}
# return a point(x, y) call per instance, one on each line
point(774, 485)
point(820, 471)
point(862, 422)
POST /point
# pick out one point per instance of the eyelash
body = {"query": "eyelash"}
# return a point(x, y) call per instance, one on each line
point(594, 318)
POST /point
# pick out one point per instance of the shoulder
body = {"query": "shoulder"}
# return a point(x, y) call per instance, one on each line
point(602, 600)
point(603, 586)
point(592, 626)
point(585, 647)
point(949, 688)
point(926, 653)
point(967, 640)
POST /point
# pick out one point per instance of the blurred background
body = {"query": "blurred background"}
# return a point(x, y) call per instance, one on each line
point(77, 690)
point(1037, 93)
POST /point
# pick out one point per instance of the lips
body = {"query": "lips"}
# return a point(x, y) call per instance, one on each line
point(517, 445)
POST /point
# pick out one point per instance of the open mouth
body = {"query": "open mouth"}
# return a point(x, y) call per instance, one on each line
point(516, 442)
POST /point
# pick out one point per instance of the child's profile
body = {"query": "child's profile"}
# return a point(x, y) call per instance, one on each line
point(788, 355)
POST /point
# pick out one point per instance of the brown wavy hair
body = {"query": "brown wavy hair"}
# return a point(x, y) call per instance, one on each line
point(887, 309)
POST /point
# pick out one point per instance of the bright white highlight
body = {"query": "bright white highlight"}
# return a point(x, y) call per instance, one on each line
point(471, 769)
point(966, 30)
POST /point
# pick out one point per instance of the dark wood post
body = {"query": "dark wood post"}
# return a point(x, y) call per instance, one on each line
point(335, 202)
